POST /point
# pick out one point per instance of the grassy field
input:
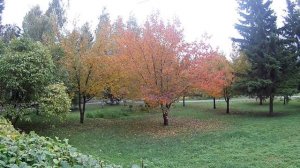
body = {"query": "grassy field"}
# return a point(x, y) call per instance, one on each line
point(198, 136)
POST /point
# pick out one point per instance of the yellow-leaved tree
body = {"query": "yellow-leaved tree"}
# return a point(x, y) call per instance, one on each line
point(86, 65)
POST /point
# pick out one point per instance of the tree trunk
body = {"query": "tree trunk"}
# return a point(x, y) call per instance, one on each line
point(214, 103)
point(14, 121)
point(183, 101)
point(80, 109)
point(286, 100)
point(227, 102)
point(111, 98)
point(83, 107)
point(165, 111)
point(166, 119)
point(37, 110)
point(260, 100)
point(271, 105)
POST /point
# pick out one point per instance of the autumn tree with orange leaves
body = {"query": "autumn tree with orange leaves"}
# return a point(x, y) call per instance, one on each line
point(155, 57)
point(212, 74)
point(195, 51)
point(118, 83)
point(86, 65)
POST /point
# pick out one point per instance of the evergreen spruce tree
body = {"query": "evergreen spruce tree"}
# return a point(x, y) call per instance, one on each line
point(260, 43)
point(291, 28)
point(290, 34)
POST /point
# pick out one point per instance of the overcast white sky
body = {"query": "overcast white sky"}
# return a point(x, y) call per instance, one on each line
point(215, 17)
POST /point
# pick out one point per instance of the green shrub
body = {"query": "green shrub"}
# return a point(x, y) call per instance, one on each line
point(99, 115)
point(89, 115)
point(136, 108)
point(31, 150)
point(112, 116)
point(125, 114)
point(127, 109)
point(95, 115)
point(55, 102)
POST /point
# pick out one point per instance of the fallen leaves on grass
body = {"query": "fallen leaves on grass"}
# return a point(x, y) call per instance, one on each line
point(154, 127)
point(149, 126)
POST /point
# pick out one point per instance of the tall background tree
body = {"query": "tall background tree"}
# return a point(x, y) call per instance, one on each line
point(260, 42)
point(46, 26)
point(57, 11)
point(36, 25)
point(291, 42)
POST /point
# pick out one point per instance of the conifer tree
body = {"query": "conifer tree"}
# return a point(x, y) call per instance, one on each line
point(291, 41)
point(261, 44)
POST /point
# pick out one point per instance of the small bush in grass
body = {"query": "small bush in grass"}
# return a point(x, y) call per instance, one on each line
point(95, 115)
point(31, 150)
point(113, 116)
point(136, 108)
point(125, 114)
point(127, 108)
point(143, 108)
point(89, 115)
point(99, 115)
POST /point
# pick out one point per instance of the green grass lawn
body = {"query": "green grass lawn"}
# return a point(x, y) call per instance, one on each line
point(198, 136)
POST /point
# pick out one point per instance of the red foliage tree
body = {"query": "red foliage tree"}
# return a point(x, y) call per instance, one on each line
point(212, 74)
point(156, 58)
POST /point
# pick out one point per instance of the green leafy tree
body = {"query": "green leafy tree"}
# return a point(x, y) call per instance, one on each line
point(48, 28)
point(261, 44)
point(26, 70)
point(3, 47)
point(57, 17)
point(45, 27)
